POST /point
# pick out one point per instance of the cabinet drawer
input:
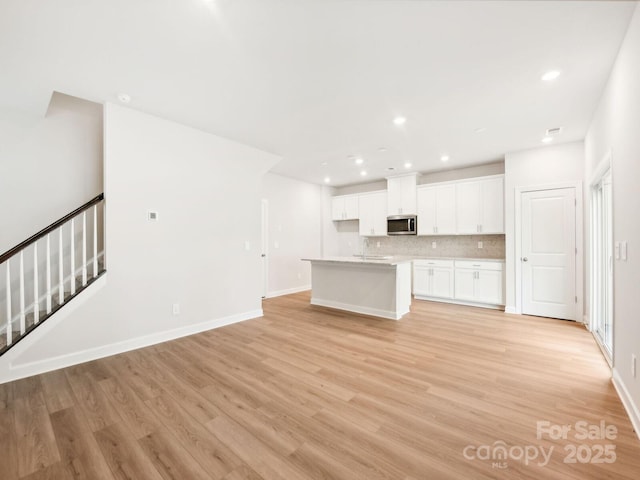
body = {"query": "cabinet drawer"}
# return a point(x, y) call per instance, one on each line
point(479, 265)
point(433, 263)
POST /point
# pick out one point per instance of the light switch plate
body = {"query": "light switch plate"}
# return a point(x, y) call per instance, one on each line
point(480, 245)
point(433, 244)
point(623, 250)
point(617, 250)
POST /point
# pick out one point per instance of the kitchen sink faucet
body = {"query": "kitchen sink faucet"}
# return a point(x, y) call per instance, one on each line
point(365, 244)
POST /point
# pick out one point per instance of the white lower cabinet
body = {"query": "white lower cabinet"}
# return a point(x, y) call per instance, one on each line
point(459, 281)
point(479, 282)
point(433, 278)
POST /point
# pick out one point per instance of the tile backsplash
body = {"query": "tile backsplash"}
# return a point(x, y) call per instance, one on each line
point(446, 246)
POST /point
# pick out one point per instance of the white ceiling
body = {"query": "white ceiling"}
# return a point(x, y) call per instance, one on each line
point(317, 81)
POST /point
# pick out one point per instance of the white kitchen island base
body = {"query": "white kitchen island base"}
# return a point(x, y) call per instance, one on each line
point(381, 288)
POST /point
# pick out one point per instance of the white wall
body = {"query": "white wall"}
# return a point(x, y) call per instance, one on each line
point(207, 191)
point(48, 166)
point(550, 165)
point(294, 232)
point(616, 127)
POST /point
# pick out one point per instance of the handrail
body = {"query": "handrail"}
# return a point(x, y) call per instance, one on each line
point(34, 238)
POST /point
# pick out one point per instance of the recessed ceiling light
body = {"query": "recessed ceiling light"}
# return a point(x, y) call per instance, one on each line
point(399, 121)
point(382, 149)
point(444, 158)
point(547, 139)
point(324, 164)
point(124, 98)
point(327, 179)
point(407, 165)
point(363, 173)
point(359, 161)
point(480, 129)
point(550, 75)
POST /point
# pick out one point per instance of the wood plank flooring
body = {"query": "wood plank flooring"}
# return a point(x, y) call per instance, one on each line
point(311, 393)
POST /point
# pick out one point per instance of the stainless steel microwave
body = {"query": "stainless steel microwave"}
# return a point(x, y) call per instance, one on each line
point(402, 225)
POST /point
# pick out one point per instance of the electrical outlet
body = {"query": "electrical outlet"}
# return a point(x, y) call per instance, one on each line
point(633, 365)
point(176, 309)
point(433, 244)
point(247, 246)
point(480, 245)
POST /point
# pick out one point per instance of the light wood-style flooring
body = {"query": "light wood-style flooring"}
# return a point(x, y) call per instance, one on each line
point(311, 393)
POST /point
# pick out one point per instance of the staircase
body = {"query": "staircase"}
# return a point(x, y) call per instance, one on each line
point(49, 269)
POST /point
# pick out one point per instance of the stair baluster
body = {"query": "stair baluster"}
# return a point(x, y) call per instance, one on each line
point(36, 279)
point(9, 309)
point(48, 279)
point(84, 248)
point(22, 314)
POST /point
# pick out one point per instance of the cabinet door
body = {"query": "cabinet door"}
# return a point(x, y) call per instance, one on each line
point(441, 282)
point(351, 207)
point(379, 217)
point(367, 204)
point(394, 196)
point(488, 288)
point(409, 199)
point(420, 280)
point(464, 284)
point(446, 210)
point(492, 201)
point(337, 208)
point(427, 211)
point(373, 214)
point(401, 195)
point(468, 207)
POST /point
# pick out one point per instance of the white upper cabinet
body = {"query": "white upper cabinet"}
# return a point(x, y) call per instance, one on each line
point(401, 195)
point(480, 206)
point(436, 210)
point(373, 218)
point(344, 207)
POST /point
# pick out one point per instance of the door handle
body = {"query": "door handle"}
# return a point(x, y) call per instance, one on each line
point(525, 259)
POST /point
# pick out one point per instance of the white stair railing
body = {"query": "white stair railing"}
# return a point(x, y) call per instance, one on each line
point(24, 277)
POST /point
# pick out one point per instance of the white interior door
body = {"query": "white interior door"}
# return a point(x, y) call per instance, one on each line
point(549, 253)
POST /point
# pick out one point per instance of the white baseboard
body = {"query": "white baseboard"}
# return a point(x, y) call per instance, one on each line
point(388, 314)
point(509, 309)
point(17, 371)
point(288, 291)
point(627, 401)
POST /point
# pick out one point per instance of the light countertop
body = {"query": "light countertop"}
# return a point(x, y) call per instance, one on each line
point(368, 260)
point(393, 259)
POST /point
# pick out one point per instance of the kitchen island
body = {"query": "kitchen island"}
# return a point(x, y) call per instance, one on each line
point(373, 285)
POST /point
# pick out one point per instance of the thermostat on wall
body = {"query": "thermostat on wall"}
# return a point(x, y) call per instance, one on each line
point(152, 216)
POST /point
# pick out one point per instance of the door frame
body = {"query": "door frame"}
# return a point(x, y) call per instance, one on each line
point(605, 165)
point(264, 247)
point(579, 280)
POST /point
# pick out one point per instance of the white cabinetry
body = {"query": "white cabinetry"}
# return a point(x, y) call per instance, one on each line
point(479, 282)
point(437, 210)
point(433, 278)
point(480, 206)
point(373, 218)
point(401, 195)
point(344, 207)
